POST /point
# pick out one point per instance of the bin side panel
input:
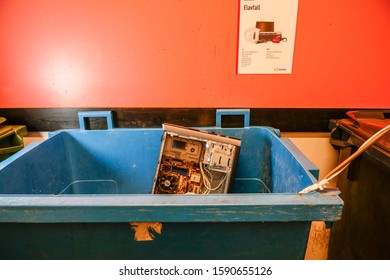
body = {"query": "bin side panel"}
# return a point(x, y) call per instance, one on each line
point(114, 161)
point(42, 170)
point(176, 241)
point(288, 175)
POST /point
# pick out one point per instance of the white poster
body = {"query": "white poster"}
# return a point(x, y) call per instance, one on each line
point(266, 36)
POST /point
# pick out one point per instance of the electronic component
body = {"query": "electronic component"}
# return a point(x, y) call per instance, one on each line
point(263, 33)
point(193, 161)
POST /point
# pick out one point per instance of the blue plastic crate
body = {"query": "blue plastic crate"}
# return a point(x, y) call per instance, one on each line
point(86, 194)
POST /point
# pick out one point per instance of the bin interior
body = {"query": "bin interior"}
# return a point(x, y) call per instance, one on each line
point(124, 161)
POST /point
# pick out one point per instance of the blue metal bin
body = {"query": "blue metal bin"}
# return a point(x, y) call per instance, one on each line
point(86, 194)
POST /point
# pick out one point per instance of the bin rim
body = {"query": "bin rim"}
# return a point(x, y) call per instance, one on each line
point(254, 207)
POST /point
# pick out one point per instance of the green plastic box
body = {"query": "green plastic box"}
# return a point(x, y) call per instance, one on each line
point(11, 139)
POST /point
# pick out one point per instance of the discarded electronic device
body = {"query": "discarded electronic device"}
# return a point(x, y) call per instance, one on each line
point(193, 161)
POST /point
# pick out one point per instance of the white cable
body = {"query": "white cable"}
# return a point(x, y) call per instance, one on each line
point(336, 171)
point(207, 183)
point(219, 185)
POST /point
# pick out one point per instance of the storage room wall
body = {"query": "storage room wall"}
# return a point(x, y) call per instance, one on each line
point(183, 54)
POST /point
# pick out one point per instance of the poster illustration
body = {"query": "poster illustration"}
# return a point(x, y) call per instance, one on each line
point(266, 36)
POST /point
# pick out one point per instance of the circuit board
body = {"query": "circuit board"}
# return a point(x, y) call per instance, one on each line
point(195, 162)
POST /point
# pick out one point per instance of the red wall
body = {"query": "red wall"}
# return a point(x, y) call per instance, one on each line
point(183, 54)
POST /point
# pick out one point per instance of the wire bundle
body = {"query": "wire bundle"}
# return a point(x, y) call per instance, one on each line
point(208, 179)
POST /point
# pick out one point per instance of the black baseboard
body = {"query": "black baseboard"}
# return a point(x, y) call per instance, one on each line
point(287, 120)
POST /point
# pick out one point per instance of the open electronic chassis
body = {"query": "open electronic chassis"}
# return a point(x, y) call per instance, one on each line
point(192, 161)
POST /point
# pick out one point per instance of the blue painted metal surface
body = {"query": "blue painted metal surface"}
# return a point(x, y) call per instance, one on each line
point(232, 112)
point(77, 192)
point(83, 116)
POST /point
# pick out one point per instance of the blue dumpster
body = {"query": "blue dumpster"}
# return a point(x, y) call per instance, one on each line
point(86, 194)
